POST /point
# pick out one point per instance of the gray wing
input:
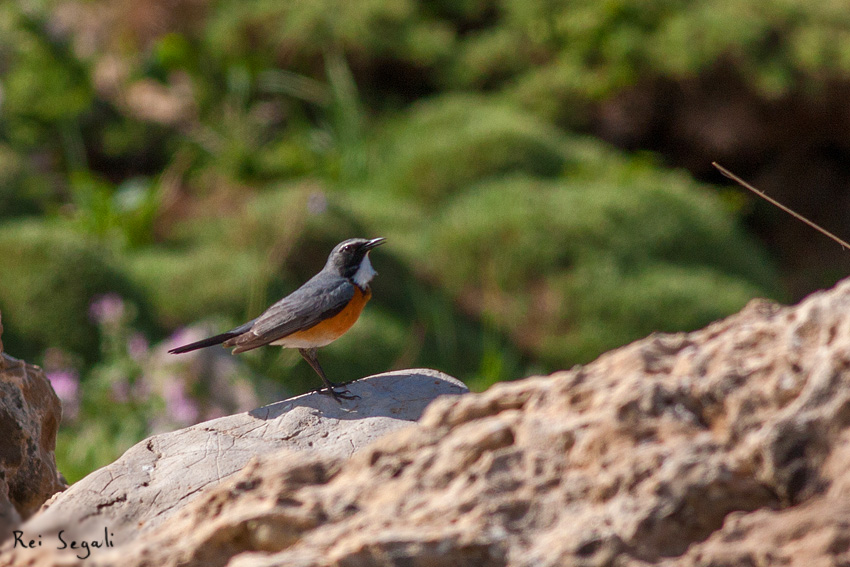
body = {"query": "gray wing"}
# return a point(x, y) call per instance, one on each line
point(307, 306)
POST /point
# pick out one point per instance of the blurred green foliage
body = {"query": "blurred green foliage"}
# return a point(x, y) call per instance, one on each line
point(201, 165)
point(443, 146)
point(555, 240)
point(50, 275)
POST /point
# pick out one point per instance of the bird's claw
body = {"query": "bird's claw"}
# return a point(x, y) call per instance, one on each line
point(340, 395)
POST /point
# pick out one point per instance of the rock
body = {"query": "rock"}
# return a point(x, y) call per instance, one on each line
point(725, 446)
point(157, 477)
point(10, 519)
point(29, 418)
point(715, 447)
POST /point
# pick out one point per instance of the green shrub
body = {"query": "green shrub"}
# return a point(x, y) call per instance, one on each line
point(572, 267)
point(301, 32)
point(599, 48)
point(610, 305)
point(443, 145)
point(49, 278)
point(23, 191)
point(183, 286)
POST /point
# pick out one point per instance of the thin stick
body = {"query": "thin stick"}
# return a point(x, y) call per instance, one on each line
point(796, 215)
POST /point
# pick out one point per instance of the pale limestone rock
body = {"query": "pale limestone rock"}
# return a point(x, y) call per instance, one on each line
point(160, 475)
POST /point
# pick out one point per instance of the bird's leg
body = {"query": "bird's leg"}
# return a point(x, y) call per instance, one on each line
point(309, 355)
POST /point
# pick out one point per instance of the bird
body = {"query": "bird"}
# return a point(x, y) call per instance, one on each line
point(312, 316)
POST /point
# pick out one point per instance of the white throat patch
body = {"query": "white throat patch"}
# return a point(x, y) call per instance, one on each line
point(364, 273)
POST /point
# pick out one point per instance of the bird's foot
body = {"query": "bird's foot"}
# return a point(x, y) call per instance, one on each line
point(338, 395)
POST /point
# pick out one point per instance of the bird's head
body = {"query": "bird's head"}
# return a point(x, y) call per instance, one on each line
point(350, 259)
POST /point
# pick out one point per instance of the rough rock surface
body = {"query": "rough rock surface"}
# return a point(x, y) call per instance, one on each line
point(159, 475)
point(726, 446)
point(29, 418)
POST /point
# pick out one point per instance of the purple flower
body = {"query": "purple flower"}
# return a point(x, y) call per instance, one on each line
point(184, 335)
point(66, 384)
point(141, 389)
point(107, 309)
point(180, 407)
point(121, 391)
point(137, 346)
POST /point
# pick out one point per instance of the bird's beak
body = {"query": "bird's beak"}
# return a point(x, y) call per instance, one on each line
point(374, 242)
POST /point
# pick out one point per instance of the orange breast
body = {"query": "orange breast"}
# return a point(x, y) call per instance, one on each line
point(329, 330)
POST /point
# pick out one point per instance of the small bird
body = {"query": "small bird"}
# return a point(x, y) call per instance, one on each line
point(312, 316)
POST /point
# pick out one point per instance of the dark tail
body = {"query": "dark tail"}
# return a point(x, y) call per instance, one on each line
point(216, 340)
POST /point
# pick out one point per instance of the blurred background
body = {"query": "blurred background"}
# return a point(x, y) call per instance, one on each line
point(540, 168)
